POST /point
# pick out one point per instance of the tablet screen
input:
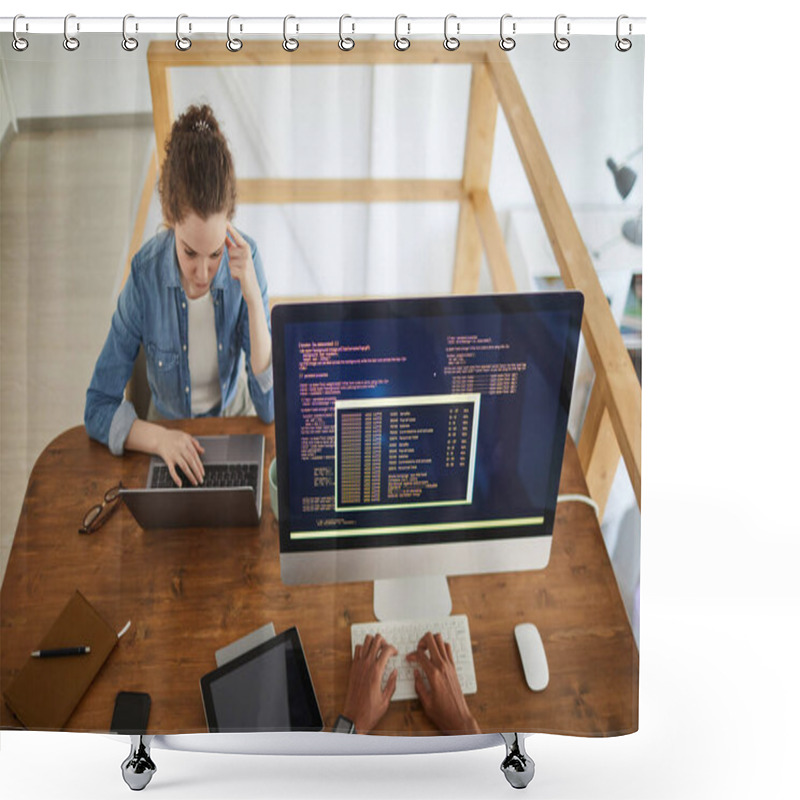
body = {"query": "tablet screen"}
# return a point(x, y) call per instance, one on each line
point(266, 689)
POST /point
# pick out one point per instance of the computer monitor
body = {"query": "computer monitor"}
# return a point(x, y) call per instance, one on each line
point(420, 437)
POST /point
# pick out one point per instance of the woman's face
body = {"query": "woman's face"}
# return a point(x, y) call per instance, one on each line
point(199, 244)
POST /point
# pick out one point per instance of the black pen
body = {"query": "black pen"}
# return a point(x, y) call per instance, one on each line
point(62, 651)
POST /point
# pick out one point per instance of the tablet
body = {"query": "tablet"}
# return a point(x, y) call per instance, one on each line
point(266, 689)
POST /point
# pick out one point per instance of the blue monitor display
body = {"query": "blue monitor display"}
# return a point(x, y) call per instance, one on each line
point(421, 421)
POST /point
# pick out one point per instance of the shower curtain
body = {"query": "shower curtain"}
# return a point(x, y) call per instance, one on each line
point(361, 174)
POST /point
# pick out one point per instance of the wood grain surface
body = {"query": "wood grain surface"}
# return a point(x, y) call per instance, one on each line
point(189, 592)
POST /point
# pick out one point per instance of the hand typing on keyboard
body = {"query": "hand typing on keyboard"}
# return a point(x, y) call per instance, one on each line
point(442, 698)
point(440, 692)
point(179, 450)
point(366, 701)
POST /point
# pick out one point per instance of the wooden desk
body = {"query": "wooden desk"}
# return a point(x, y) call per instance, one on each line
point(189, 592)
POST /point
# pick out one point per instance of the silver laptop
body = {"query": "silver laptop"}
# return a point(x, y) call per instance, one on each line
point(230, 495)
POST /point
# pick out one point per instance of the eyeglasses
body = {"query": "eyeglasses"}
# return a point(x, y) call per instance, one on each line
point(98, 515)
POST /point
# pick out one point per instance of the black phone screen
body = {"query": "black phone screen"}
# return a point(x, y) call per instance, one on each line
point(131, 712)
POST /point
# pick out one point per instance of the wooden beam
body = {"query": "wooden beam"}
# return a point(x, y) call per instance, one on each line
point(598, 449)
point(493, 243)
point(213, 53)
point(603, 340)
point(481, 124)
point(161, 93)
point(478, 149)
point(469, 251)
point(334, 190)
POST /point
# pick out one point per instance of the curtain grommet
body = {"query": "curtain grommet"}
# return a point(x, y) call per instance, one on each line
point(18, 42)
point(507, 43)
point(451, 42)
point(71, 43)
point(129, 43)
point(623, 44)
point(289, 44)
point(234, 45)
point(401, 43)
point(561, 43)
point(183, 43)
point(346, 43)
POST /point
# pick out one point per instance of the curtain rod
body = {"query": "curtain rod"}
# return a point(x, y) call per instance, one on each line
point(328, 26)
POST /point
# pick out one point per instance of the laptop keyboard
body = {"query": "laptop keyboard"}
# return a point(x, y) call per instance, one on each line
point(217, 476)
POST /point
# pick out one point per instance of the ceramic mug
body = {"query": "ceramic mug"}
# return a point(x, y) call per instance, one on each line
point(273, 487)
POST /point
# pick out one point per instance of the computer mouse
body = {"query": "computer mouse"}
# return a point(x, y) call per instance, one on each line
point(534, 660)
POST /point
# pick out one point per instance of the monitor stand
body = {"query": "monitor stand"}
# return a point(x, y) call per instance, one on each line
point(423, 597)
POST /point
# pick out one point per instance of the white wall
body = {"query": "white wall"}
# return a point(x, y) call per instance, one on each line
point(361, 121)
point(357, 122)
point(6, 109)
point(99, 78)
point(587, 103)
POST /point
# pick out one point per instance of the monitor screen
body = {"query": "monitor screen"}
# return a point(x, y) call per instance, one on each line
point(402, 423)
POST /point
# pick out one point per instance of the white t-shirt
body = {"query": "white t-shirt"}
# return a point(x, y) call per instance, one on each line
point(203, 363)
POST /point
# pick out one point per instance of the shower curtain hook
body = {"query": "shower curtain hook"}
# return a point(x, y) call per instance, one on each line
point(451, 42)
point(70, 43)
point(18, 43)
point(345, 42)
point(129, 43)
point(561, 43)
point(507, 42)
point(234, 45)
point(290, 45)
point(623, 45)
point(401, 42)
point(181, 42)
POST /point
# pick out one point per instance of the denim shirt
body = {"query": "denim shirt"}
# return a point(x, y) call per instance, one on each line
point(152, 312)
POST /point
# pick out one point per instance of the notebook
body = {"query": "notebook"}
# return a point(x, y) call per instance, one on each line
point(230, 496)
point(46, 691)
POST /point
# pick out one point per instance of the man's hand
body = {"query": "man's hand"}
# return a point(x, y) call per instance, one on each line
point(442, 698)
point(366, 702)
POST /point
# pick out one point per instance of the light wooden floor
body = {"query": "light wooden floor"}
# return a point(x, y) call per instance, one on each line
point(67, 202)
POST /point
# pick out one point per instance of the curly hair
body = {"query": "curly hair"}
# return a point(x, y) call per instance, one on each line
point(197, 174)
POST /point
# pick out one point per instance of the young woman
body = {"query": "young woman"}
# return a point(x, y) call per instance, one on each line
point(195, 300)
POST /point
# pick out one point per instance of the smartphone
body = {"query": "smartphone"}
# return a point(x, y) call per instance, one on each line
point(131, 712)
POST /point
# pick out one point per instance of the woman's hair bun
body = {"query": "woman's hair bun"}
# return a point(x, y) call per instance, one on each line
point(197, 173)
point(197, 119)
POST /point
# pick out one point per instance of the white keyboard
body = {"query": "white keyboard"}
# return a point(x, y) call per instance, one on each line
point(405, 636)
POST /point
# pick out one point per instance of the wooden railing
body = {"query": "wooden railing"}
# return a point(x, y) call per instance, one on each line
point(612, 425)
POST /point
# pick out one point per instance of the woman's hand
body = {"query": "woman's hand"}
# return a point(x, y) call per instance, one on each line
point(176, 448)
point(179, 449)
point(240, 264)
point(242, 269)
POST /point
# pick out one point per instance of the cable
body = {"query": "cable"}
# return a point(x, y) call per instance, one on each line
point(579, 498)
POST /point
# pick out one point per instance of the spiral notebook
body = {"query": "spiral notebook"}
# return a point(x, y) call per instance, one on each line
point(46, 691)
